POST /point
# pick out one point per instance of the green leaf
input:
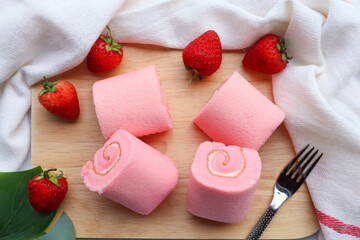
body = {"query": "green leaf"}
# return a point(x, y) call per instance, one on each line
point(278, 47)
point(60, 176)
point(108, 48)
point(118, 46)
point(103, 38)
point(63, 230)
point(38, 178)
point(18, 219)
point(54, 181)
point(187, 68)
point(42, 92)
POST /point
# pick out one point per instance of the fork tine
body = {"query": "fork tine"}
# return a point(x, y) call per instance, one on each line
point(294, 160)
point(286, 186)
point(306, 163)
point(301, 161)
point(312, 166)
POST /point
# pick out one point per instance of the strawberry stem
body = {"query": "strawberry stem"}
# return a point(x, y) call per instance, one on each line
point(111, 39)
point(111, 44)
point(46, 173)
point(48, 86)
point(52, 177)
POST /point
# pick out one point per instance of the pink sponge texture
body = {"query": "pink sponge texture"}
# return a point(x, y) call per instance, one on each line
point(130, 172)
point(223, 182)
point(238, 114)
point(133, 101)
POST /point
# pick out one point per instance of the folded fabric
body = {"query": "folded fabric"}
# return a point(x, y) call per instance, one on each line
point(47, 42)
point(223, 182)
point(238, 114)
point(130, 172)
point(134, 101)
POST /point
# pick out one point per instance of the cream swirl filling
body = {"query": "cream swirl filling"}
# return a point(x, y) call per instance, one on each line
point(220, 164)
point(111, 156)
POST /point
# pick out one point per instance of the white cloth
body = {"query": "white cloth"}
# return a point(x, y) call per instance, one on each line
point(319, 90)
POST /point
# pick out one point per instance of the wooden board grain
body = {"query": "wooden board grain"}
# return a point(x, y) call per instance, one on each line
point(68, 145)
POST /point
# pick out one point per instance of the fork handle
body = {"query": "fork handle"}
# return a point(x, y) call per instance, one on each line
point(262, 224)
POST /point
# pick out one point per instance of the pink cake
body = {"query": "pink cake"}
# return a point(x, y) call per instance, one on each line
point(132, 101)
point(238, 114)
point(130, 172)
point(222, 182)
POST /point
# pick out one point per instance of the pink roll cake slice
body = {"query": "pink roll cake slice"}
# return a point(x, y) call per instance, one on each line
point(238, 114)
point(130, 172)
point(223, 182)
point(134, 101)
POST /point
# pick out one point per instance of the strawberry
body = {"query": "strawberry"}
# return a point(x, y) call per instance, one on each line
point(60, 98)
point(267, 55)
point(105, 54)
point(203, 55)
point(47, 190)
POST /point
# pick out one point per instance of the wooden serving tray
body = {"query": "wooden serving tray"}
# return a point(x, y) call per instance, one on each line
point(69, 145)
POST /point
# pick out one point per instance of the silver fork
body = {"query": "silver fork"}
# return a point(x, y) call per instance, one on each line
point(289, 181)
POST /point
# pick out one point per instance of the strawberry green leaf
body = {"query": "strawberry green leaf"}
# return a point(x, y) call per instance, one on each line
point(278, 47)
point(18, 219)
point(54, 181)
point(191, 78)
point(39, 177)
point(60, 176)
point(188, 68)
point(116, 50)
point(104, 38)
point(48, 87)
point(108, 48)
point(281, 47)
point(42, 92)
